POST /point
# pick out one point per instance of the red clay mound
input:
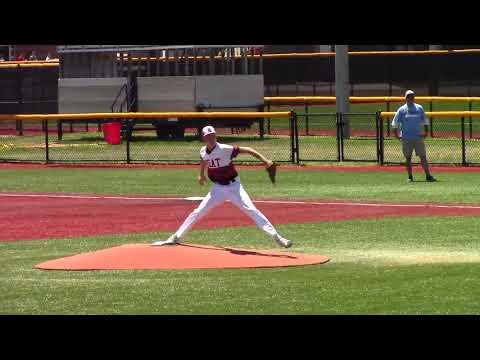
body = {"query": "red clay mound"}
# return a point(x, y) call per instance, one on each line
point(185, 256)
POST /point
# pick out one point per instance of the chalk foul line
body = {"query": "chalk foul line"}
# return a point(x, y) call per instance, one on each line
point(134, 198)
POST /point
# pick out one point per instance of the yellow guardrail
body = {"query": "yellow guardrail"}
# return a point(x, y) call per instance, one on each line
point(386, 114)
point(146, 115)
point(361, 99)
point(14, 62)
point(199, 115)
point(369, 53)
point(316, 54)
point(28, 64)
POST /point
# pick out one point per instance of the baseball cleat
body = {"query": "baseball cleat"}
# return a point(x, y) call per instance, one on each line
point(172, 240)
point(410, 179)
point(282, 241)
point(430, 178)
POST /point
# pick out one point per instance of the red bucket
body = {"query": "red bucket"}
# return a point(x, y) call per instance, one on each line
point(111, 133)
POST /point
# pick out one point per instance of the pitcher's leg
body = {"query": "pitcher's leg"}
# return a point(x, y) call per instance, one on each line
point(239, 197)
point(213, 198)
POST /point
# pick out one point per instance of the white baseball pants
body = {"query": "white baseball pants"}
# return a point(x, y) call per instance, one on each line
point(237, 196)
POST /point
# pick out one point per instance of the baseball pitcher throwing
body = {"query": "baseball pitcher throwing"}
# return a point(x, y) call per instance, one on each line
point(218, 158)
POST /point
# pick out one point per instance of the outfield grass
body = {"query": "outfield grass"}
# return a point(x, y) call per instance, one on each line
point(366, 185)
point(421, 265)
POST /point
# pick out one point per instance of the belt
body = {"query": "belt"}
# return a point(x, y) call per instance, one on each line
point(226, 182)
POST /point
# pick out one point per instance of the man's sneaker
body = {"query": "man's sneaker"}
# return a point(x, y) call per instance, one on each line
point(430, 178)
point(282, 241)
point(172, 240)
point(410, 179)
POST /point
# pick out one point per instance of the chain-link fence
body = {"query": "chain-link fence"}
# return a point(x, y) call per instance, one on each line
point(446, 146)
point(271, 138)
point(143, 140)
point(318, 137)
point(84, 144)
point(359, 136)
point(305, 137)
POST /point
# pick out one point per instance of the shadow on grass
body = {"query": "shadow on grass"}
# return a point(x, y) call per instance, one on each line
point(240, 252)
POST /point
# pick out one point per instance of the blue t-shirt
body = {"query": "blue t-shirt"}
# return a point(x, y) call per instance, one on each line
point(410, 119)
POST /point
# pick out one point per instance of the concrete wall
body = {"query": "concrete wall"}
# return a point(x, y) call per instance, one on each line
point(166, 93)
point(80, 95)
point(230, 91)
point(184, 93)
point(173, 93)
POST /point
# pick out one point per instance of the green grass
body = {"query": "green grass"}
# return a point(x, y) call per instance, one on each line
point(420, 265)
point(390, 266)
point(370, 185)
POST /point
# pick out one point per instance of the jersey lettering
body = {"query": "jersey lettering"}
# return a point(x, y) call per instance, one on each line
point(219, 161)
point(212, 163)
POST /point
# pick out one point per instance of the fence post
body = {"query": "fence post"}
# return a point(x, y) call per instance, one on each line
point(261, 125)
point(268, 121)
point(47, 154)
point(464, 157)
point(377, 134)
point(128, 147)
point(340, 124)
point(337, 123)
point(470, 118)
point(297, 146)
point(19, 101)
point(59, 130)
point(388, 119)
point(306, 119)
point(19, 125)
point(261, 122)
point(292, 137)
point(431, 119)
point(382, 143)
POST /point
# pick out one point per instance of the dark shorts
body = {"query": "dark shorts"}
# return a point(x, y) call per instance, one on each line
point(409, 145)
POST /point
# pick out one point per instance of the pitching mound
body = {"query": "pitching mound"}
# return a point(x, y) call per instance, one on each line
point(185, 256)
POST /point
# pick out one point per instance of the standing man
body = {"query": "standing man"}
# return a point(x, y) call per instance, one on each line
point(218, 158)
point(413, 123)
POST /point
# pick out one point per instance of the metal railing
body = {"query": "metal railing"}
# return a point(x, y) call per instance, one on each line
point(145, 146)
point(456, 140)
point(291, 137)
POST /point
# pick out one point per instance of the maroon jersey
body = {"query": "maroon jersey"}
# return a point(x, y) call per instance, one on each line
point(220, 164)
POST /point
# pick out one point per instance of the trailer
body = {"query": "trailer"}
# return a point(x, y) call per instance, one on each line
point(160, 78)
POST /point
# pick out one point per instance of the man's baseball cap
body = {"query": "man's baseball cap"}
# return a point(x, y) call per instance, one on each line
point(208, 130)
point(409, 92)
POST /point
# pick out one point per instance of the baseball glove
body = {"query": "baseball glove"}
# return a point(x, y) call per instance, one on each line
point(272, 172)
